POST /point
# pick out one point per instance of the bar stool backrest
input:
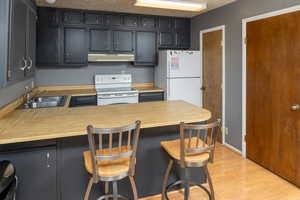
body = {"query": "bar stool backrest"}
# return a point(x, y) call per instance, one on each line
point(197, 139)
point(110, 144)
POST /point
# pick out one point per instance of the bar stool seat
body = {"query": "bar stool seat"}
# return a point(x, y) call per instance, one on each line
point(173, 149)
point(112, 157)
point(194, 149)
point(108, 168)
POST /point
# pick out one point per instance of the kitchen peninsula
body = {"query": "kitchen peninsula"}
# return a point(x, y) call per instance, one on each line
point(47, 144)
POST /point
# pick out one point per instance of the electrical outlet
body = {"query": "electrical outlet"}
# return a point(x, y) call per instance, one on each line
point(226, 131)
point(32, 84)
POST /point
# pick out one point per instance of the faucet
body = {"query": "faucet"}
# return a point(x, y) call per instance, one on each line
point(27, 96)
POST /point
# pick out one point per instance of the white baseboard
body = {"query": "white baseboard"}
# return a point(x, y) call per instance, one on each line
point(232, 148)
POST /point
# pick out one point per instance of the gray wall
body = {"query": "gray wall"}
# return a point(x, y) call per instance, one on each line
point(12, 92)
point(85, 75)
point(231, 16)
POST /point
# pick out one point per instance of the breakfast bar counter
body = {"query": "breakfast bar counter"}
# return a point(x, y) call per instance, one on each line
point(50, 123)
point(46, 145)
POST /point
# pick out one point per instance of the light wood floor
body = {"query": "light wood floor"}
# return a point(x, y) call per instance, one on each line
point(235, 178)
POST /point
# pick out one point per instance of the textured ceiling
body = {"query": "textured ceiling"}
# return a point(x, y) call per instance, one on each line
point(128, 7)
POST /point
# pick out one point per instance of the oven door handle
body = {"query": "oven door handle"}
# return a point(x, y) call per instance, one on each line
point(116, 97)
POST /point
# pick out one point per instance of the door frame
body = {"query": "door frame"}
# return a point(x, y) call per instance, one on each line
point(202, 32)
point(244, 71)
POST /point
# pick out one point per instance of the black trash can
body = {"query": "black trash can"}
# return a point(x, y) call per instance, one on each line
point(8, 181)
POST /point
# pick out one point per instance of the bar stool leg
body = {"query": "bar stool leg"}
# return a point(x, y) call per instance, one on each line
point(106, 189)
point(166, 178)
point(212, 193)
point(186, 185)
point(88, 190)
point(115, 190)
point(134, 190)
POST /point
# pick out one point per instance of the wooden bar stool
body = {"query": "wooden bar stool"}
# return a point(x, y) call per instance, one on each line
point(115, 162)
point(195, 148)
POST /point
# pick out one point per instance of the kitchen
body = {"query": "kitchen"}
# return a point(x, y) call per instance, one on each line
point(69, 64)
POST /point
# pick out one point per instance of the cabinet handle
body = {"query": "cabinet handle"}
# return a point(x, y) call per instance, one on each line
point(25, 64)
point(30, 63)
point(48, 160)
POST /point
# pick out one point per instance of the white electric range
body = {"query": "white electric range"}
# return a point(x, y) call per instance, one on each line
point(115, 89)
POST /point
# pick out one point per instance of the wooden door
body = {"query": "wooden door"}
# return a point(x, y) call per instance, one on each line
point(273, 74)
point(212, 74)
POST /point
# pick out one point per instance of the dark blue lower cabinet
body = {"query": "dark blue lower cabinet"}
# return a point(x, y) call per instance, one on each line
point(57, 172)
point(151, 96)
point(36, 171)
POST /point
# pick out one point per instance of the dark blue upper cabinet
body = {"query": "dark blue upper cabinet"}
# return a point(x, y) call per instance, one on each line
point(105, 32)
point(123, 41)
point(131, 20)
point(93, 19)
point(22, 40)
point(113, 20)
point(75, 46)
point(72, 17)
point(4, 24)
point(148, 22)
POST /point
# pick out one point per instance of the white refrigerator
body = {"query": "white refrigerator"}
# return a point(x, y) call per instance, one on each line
point(179, 73)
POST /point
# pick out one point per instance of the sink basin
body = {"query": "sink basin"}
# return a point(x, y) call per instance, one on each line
point(46, 102)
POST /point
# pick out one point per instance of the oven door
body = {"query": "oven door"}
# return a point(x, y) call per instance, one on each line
point(105, 100)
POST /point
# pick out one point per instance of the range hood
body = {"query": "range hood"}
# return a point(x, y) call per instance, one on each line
point(111, 57)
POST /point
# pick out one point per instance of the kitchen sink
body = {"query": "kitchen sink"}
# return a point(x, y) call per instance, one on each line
point(45, 102)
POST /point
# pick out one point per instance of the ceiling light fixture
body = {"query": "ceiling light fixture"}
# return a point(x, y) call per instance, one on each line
point(172, 4)
point(51, 1)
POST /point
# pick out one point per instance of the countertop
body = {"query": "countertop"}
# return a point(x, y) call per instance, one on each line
point(50, 123)
point(92, 91)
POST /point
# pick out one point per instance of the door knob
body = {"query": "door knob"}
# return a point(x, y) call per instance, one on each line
point(295, 107)
point(203, 88)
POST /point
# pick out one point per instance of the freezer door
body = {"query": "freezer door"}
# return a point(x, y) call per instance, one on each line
point(184, 64)
point(186, 89)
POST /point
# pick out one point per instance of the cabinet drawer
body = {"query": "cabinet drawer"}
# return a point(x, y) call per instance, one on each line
point(151, 96)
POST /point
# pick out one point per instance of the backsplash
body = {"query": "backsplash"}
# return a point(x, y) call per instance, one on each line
point(85, 75)
point(12, 92)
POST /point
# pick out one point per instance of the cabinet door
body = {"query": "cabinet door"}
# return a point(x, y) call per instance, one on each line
point(4, 24)
point(182, 24)
point(151, 96)
point(18, 61)
point(123, 41)
point(183, 40)
point(72, 17)
point(48, 52)
point(48, 17)
point(100, 40)
point(31, 41)
point(166, 39)
point(148, 22)
point(113, 20)
point(146, 47)
point(130, 20)
point(36, 172)
point(165, 23)
point(93, 19)
point(75, 50)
